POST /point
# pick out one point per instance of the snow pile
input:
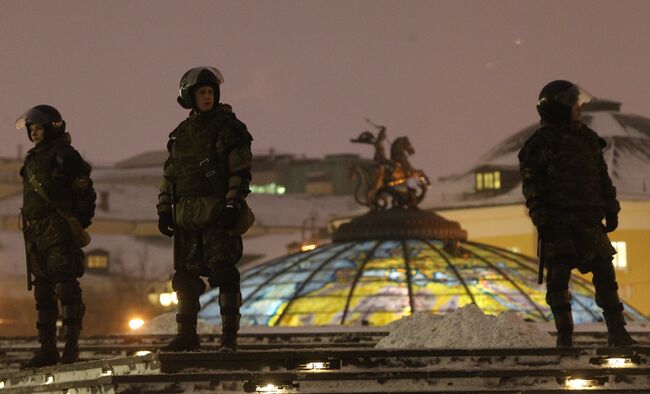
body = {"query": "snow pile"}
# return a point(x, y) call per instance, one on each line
point(466, 327)
point(166, 324)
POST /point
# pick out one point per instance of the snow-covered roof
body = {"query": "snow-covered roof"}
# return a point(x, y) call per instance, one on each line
point(627, 155)
point(137, 202)
point(148, 258)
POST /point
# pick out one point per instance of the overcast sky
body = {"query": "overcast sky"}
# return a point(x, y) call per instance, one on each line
point(457, 77)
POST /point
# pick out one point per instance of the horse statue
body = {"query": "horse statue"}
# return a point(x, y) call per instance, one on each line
point(389, 182)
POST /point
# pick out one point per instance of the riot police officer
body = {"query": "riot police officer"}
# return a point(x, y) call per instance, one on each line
point(58, 201)
point(202, 205)
point(569, 194)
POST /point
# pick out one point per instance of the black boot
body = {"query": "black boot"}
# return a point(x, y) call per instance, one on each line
point(560, 303)
point(229, 307)
point(617, 335)
point(187, 339)
point(564, 326)
point(72, 316)
point(48, 354)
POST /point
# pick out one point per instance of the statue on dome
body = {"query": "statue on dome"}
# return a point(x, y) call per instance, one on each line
point(388, 182)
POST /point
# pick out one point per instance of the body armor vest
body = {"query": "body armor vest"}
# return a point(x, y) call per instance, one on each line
point(42, 163)
point(193, 142)
point(574, 168)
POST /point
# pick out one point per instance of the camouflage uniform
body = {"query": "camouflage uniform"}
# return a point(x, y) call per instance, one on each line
point(204, 246)
point(54, 260)
point(569, 193)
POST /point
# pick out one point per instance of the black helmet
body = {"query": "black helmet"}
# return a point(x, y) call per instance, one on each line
point(195, 78)
point(556, 99)
point(45, 115)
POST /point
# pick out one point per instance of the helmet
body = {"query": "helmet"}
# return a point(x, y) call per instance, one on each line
point(45, 115)
point(556, 99)
point(193, 79)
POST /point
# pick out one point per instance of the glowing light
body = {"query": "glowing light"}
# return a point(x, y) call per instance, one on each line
point(315, 366)
point(618, 362)
point(108, 372)
point(136, 323)
point(580, 384)
point(165, 299)
point(142, 352)
point(50, 379)
point(308, 247)
point(2, 384)
point(269, 388)
point(174, 298)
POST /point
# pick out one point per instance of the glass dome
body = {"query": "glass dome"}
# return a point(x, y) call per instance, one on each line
point(374, 282)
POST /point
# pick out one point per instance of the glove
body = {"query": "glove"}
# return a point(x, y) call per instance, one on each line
point(229, 218)
point(84, 222)
point(166, 223)
point(611, 221)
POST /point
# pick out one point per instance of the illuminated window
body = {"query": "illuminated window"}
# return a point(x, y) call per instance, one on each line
point(488, 180)
point(269, 188)
point(620, 258)
point(97, 261)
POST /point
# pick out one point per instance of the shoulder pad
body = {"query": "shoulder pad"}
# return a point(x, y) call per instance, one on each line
point(594, 135)
point(239, 129)
point(227, 108)
point(172, 136)
point(533, 143)
point(63, 150)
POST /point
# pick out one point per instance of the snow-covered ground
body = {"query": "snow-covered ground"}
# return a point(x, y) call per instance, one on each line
point(466, 327)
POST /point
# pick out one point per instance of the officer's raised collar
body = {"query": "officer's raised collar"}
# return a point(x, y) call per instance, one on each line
point(219, 108)
point(571, 126)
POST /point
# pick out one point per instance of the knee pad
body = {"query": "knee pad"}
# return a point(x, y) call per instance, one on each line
point(226, 278)
point(45, 296)
point(559, 300)
point(604, 278)
point(187, 284)
point(229, 303)
point(69, 292)
point(609, 301)
point(558, 277)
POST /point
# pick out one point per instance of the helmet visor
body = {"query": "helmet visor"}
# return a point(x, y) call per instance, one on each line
point(33, 116)
point(193, 75)
point(575, 94)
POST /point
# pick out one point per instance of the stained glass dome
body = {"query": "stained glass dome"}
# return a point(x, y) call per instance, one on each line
point(379, 270)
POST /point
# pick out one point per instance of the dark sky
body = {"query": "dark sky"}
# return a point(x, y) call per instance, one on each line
point(455, 76)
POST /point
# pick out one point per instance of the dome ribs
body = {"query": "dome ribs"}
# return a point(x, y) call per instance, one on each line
point(409, 281)
point(307, 256)
point(577, 280)
point(357, 276)
point(452, 268)
point(509, 279)
point(309, 278)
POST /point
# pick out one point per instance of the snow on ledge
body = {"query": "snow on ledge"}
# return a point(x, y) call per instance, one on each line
point(466, 327)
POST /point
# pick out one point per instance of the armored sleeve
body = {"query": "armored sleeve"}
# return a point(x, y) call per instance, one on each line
point(532, 167)
point(78, 171)
point(239, 163)
point(165, 195)
point(606, 185)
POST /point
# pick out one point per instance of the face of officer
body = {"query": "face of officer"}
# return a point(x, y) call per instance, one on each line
point(37, 132)
point(576, 111)
point(204, 98)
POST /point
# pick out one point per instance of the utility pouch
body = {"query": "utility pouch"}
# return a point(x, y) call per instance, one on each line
point(245, 220)
point(78, 235)
point(195, 213)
